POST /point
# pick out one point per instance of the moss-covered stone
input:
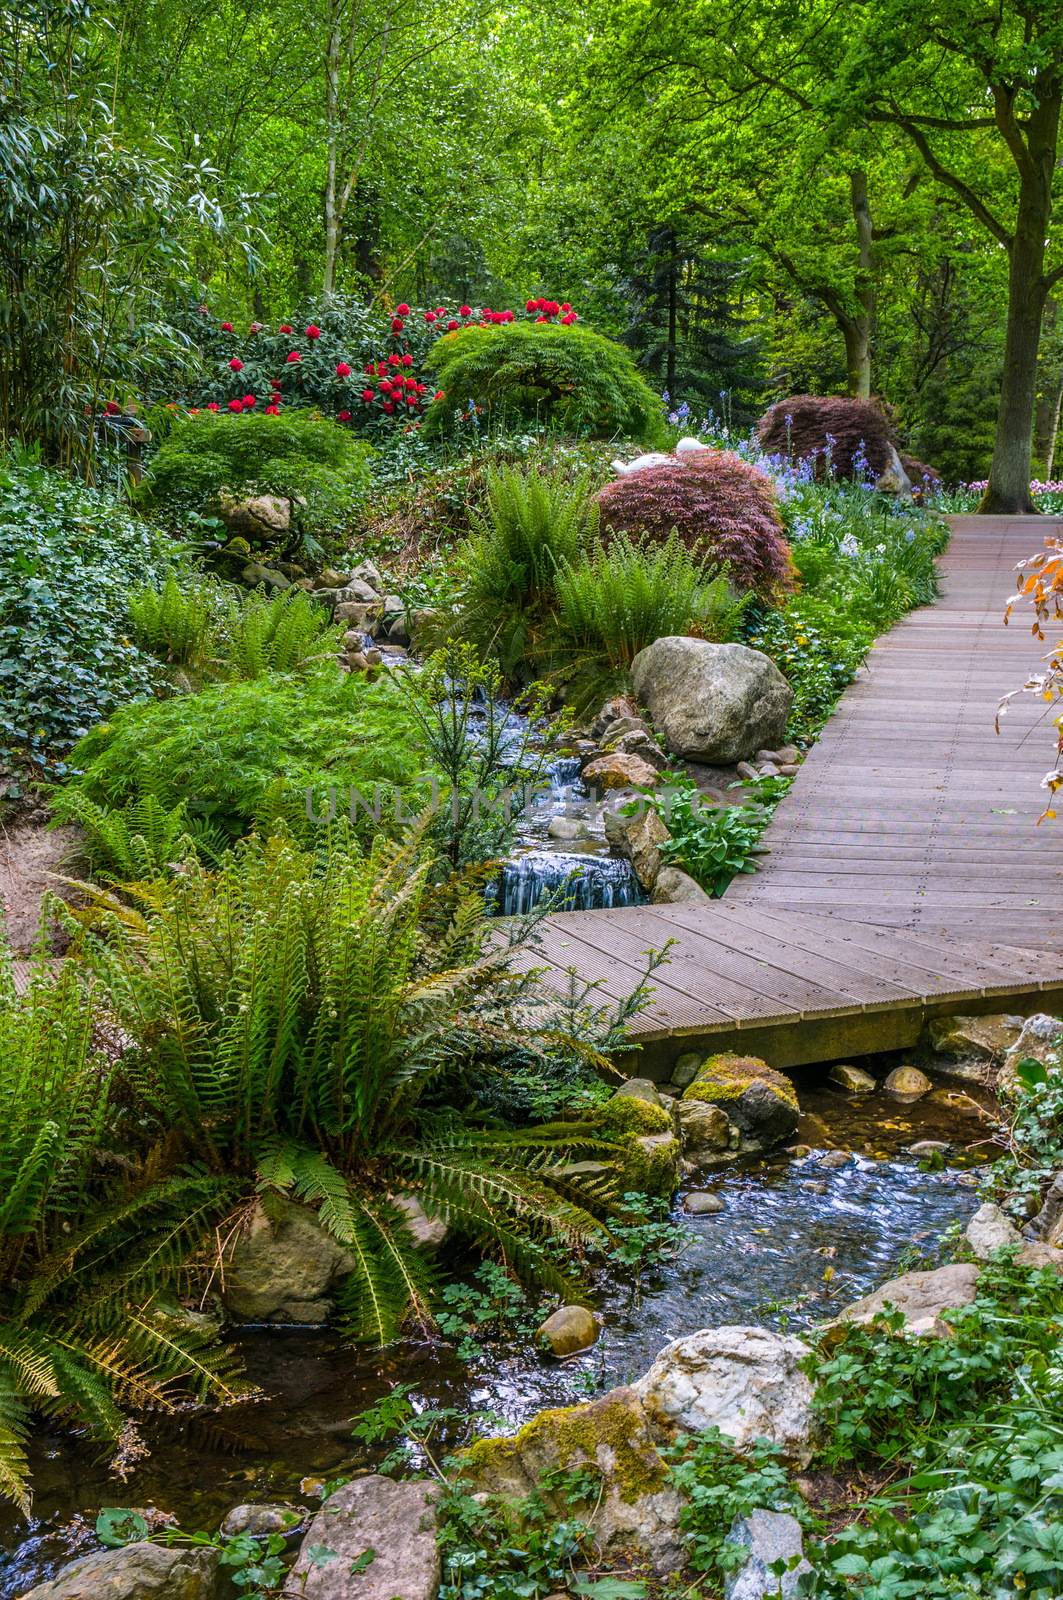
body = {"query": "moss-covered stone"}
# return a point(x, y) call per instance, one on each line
point(760, 1102)
point(610, 1435)
point(646, 1149)
point(630, 1114)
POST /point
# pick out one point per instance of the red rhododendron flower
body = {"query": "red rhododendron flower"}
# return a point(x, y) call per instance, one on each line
point(565, 306)
point(273, 411)
point(396, 361)
point(193, 411)
point(236, 405)
point(403, 310)
point(343, 416)
point(212, 405)
point(368, 394)
point(249, 400)
point(226, 327)
point(293, 355)
point(342, 369)
point(440, 394)
point(465, 311)
point(531, 305)
point(411, 400)
point(421, 387)
point(407, 361)
point(274, 383)
point(255, 327)
point(397, 324)
point(429, 316)
point(285, 327)
point(452, 324)
point(313, 331)
point(388, 406)
point(572, 317)
point(112, 409)
point(552, 308)
point(385, 383)
point(236, 364)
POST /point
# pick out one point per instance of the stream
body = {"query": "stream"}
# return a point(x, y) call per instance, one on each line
point(794, 1244)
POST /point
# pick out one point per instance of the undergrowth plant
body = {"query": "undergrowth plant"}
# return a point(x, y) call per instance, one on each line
point(713, 843)
point(303, 1020)
point(285, 632)
point(91, 1248)
point(179, 621)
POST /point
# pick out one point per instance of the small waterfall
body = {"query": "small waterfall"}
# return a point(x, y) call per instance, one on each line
point(585, 882)
point(564, 774)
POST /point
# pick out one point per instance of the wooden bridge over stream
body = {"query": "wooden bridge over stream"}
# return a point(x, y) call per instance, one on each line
point(907, 876)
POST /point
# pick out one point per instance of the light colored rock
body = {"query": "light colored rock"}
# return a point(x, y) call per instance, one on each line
point(767, 1537)
point(615, 1438)
point(929, 1147)
point(284, 1267)
point(366, 593)
point(990, 1229)
point(676, 887)
point(893, 479)
point(369, 573)
point(263, 1519)
point(644, 745)
point(427, 1232)
point(907, 1083)
point(639, 837)
point(834, 1160)
point(140, 1571)
point(759, 1102)
point(567, 829)
point(1038, 1041)
point(714, 703)
point(616, 710)
point(619, 771)
point(703, 1128)
point(702, 1203)
point(567, 1331)
point(358, 614)
point(854, 1079)
point(396, 1520)
point(259, 517)
point(640, 1089)
point(745, 1381)
point(923, 1298)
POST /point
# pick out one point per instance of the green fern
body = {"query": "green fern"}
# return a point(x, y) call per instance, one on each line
point(140, 840)
point(88, 1251)
point(178, 622)
point(291, 1021)
point(280, 633)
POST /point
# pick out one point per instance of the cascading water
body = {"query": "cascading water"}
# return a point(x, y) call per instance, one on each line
point(580, 882)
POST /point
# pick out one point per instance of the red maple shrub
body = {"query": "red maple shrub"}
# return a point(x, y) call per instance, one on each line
point(721, 508)
point(853, 435)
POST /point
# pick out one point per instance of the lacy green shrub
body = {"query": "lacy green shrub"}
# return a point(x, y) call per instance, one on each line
point(245, 753)
point(578, 381)
point(301, 457)
point(68, 558)
point(723, 509)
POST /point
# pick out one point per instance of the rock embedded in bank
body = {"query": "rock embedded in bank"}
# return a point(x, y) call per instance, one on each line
point(141, 1571)
point(396, 1521)
point(712, 703)
point(924, 1299)
point(284, 1267)
point(1038, 1041)
point(638, 836)
point(767, 1538)
point(854, 1079)
point(746, 1381)
point(676, 887)
point(619, 771)
point(704, 1130)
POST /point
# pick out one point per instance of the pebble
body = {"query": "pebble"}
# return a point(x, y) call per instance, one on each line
point(835, 1159)
point(929, 1147)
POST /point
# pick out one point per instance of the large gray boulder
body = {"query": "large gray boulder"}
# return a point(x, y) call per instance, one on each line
point(924, 1299)
point(284, 1267)
point(747, 1382)
point(140, 1571)
point(714, 703)
point(391, 1523)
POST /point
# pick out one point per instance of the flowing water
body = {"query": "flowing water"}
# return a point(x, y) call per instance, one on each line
point(794, 1244)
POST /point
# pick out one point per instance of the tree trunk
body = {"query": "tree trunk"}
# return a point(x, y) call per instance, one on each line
point(1050, 389)
point(1008, 489)
point(332, 133)
point(858, 333)
point(673, 316)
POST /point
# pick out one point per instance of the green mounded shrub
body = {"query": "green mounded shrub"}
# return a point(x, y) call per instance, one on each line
point(723, 509)
point(577, 381)
point(247, 753)
point(68, 559)
point(300, 457)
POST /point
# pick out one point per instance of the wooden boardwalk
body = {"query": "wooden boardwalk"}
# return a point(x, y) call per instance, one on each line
point(907, 875)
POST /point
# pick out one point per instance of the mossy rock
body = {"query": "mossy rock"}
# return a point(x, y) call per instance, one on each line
point(609, 1435)
point(647, 1151)
point(760, 1102)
